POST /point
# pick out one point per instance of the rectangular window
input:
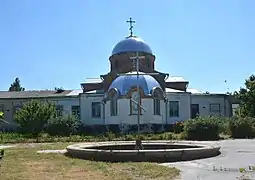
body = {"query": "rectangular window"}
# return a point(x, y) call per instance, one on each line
point(234, 109)
point(174, 108)
point(215, 109)
point(76, 111)
point(96, 109)
point(156, 103)
point(59, 109)
point(114, 107)
point(194, 110)
point(16, 108)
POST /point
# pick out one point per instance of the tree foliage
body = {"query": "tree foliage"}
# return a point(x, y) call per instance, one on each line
point(34, 115)
point(59, 89)
point(247, 98)
point(1, 115)
point(16, 86)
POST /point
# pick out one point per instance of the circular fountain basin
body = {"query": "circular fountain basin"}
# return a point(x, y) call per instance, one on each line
point(154, 151)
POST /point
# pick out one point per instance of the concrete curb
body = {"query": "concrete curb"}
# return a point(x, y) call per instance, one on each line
point(187, 150)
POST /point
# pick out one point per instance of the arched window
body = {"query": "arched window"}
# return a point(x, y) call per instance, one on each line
point(113, 97)
point(156, 105)
point(158, 95)
point(114, 107)
point(135, 97)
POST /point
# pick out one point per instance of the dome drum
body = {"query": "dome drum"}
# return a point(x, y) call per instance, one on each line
point(120, 62)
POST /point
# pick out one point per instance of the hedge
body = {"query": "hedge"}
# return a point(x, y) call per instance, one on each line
point(202, 128)
point(242, 127)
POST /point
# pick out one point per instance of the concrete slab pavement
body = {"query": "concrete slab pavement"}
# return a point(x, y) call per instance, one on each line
point(235, 154)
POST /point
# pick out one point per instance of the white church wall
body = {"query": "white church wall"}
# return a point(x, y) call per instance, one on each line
point(184, 107)
point(86, 101)
point(67, 104)
point(206, 103)
point(124, 116)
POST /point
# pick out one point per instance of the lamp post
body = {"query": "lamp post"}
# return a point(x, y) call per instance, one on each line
point(136, 60)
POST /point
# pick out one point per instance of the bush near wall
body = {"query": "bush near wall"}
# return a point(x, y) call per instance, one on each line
point(242, 127)
point(202, 128)
point(156, 128)
point(223, 123)
point(178, 127)
point(62, 126)
point(114, 128)
point(92, 129)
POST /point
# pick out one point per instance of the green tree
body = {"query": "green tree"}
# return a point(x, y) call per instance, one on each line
point(1, 115)
point(59, 89)
point(247, 98)
point(34, 115)
point(16, 86)
point(2, 121)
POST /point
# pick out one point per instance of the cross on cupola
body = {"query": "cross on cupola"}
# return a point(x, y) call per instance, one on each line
point(131, 26)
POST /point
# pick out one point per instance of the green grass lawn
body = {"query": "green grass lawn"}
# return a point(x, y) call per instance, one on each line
point(24, 163)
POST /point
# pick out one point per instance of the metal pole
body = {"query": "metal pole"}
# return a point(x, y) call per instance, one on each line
point(138, 92)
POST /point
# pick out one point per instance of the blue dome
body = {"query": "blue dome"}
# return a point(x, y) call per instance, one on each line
point(131, 44)
point(124, 83)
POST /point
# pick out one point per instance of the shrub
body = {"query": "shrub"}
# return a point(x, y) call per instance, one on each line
point(156, 128)
point(85, 129)
point(114, 128)
point(99, 129)
point(242, 127)
point(63, 126)
point(178, 127)
point(223, 123)
point(110, 136)
point(202, 128)
point(33, 116)
point(133, 129)
point(169, 128)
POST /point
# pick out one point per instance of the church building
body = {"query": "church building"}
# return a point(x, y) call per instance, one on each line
point(131, 86)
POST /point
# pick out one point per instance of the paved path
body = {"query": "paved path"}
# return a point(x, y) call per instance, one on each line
point(23, 145)
point(6, 146)
point(235, 154)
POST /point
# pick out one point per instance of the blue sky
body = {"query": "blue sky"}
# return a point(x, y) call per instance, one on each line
point(62, 42)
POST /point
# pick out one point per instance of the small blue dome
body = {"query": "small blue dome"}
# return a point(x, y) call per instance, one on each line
point(124, 83)
point(131, 44)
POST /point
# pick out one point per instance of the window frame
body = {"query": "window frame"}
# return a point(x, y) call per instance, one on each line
point(59, 110)
point(99, 109)
point(76, 111)
point(173, 115)
point(156, 106)
point(214, 112)
point(131, 102)
point(114, 107)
